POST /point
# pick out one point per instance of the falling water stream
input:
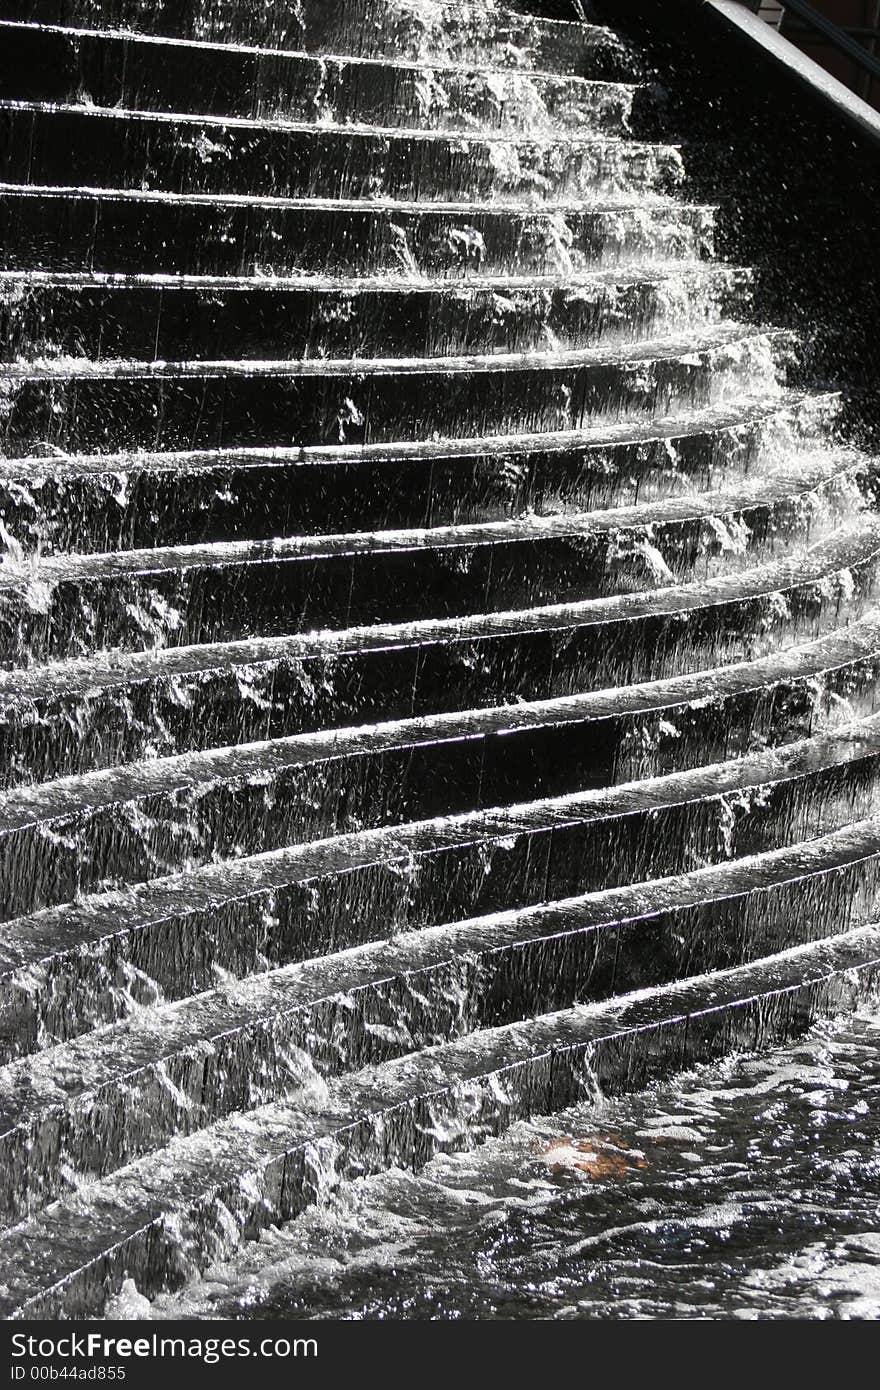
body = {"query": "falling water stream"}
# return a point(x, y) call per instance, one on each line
point(439, 654)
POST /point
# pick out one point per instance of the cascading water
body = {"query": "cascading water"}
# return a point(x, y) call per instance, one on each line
point(439, 649)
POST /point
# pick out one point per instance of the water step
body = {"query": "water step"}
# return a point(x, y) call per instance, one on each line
point(729, 617)
point(187, 318)
point(76, 404)
point(167, 1216)
point(80, 1111)
point(137, 500)
point(71, 716)
point(106, 68)
point(64, 403)
point(43, 143)
point(69, 969)
point(450, 32)
point(134, 231)
point(104, 828)
point(63, 605)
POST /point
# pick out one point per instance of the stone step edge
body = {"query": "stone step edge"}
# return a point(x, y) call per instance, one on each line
point(302, 55)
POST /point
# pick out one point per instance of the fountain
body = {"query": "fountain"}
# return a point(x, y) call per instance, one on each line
point(438, 620)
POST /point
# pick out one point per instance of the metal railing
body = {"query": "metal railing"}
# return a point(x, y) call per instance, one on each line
point(844, 41)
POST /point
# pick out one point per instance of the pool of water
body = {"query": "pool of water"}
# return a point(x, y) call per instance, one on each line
point(748, 1189)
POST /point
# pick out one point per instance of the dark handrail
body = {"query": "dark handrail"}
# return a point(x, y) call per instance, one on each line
point(837, 37)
